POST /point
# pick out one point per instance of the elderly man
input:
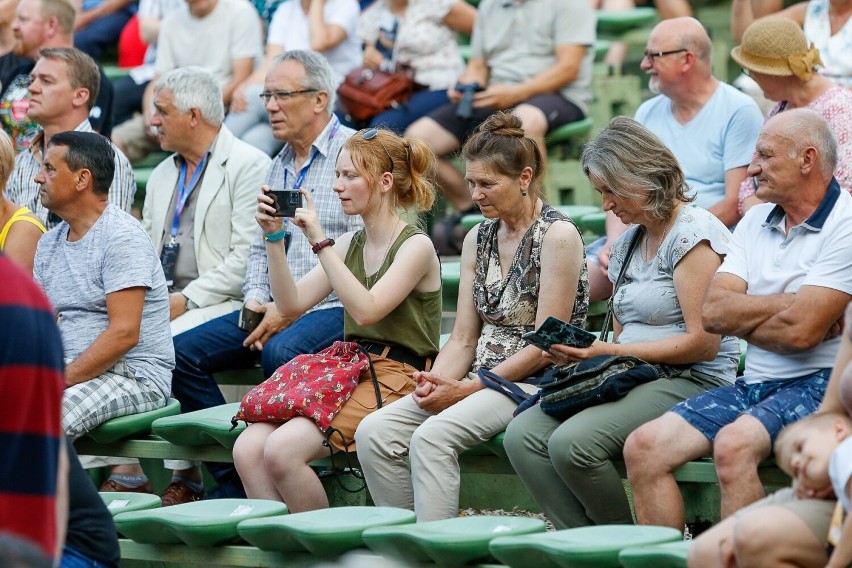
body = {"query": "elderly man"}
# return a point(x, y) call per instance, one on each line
point(546, 81)
point(782, 287)
point(200, 208)
point(200, 215)
point(299, 94)
point(39, 24)
point(222, 36)
point(64, 85)
point(710, 126)
point(100, 272)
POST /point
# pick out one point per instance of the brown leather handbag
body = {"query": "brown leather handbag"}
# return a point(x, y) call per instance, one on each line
point(368, 92)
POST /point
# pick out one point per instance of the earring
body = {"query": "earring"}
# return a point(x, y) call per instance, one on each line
point(523, 193)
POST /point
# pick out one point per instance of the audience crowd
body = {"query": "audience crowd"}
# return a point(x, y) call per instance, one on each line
point(723, 227)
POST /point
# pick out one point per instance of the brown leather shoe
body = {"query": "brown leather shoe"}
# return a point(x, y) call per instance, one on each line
point(111, 485)
point(178, 493)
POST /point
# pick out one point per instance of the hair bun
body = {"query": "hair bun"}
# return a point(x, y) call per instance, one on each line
point(503, 124)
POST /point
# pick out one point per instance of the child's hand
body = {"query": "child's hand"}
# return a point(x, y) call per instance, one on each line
point(804, 492)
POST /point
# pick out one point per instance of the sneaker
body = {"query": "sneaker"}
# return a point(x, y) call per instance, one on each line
point(178, 493)
point(111, 486)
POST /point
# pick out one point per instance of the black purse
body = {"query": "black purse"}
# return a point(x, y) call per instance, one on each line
point(566, 390)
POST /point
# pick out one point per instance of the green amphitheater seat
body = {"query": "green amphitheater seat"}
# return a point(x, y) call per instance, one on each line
point(495, 445)
point(743, 348)
point(202, 523)
point(593, 224)
point(619, 21)
point(202, 427)
point(152, 160)
point(567, 133)
point(450, 542)
point(450, 276)
point(669, 555)
point(132, 424)
point(114, 72)
point(326, 532)
point(121, 502)
point(575, 212)
point(586, 547)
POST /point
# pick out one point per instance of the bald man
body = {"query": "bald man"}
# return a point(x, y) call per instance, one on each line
point(710, 126)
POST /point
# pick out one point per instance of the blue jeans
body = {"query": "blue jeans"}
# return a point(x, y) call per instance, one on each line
point(101, 33)
point(420, 104)
point(73, 559)
point(218, 346)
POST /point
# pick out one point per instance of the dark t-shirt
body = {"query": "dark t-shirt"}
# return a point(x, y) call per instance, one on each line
point(90, 528)
point(14, 103)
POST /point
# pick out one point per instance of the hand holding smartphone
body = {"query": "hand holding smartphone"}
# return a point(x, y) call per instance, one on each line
point(556, 331)
point(285, 201)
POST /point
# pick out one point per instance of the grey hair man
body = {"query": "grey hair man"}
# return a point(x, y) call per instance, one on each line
point(710, 126)
point(783, 287)
point(198, 212)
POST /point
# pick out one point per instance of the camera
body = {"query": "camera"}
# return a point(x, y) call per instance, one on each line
point(465, 108)
point(286, 202)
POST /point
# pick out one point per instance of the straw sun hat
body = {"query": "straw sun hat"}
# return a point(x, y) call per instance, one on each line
point(777, 46)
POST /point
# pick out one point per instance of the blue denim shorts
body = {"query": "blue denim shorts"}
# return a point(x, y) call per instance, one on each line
point(774, 403)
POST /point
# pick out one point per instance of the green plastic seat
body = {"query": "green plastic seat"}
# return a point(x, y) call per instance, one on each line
point(743, 348)
point(450, 542)
point(122, 502)
point(152, 160)
point(202, 523)
point(619, 21)
point(326, 532)
point(202, 427)
point(495, 444)
point(586, 547)
point(450, 276)
point(575, 212)
point(593, 223)
point(131, 425)
point(669, 555)
point(114, 72)
point(567, 132)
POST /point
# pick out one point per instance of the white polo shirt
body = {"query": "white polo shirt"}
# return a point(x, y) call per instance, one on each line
point(818, 252)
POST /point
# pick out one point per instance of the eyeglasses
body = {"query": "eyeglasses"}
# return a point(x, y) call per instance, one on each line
point(281, 96)
point(373, 133)
point(651, 55)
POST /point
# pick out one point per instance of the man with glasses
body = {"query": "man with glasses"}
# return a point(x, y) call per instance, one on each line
point(709, 125)
point(299, 93)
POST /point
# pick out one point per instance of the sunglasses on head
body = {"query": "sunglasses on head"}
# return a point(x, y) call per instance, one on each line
point(373, 133)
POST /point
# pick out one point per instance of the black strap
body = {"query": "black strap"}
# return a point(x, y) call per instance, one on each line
point(496, 382)
point(373, 375)
point(630, 250)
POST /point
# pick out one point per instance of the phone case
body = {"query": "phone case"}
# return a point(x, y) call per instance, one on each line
point(554, 330)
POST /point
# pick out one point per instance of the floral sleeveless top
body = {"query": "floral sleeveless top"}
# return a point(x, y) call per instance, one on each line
point(508, 305)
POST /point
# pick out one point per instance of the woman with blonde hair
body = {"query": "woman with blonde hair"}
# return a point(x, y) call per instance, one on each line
point(388, 279)
point(20, 229)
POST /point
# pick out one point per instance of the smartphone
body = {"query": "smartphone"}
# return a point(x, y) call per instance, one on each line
point(249, 320)
point(556, 331)
point(285, 201)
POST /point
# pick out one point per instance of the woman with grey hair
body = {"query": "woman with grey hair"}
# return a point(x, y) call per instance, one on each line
point(568, 466)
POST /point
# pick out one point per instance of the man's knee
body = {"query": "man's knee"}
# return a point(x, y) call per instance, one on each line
point(740, 447)
point(439, 139)
point(533, 120)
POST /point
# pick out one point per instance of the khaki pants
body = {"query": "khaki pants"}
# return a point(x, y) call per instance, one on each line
point(432, 442)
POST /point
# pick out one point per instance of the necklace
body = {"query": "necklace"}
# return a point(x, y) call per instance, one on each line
point(647, 238)
point(373, 278)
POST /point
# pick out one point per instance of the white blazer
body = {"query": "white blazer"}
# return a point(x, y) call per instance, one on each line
point(223, 225)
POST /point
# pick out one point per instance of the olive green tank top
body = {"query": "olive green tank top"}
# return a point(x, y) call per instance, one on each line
point(414, 324)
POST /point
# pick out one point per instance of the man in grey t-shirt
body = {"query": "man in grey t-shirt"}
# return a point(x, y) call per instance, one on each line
point(101, 274)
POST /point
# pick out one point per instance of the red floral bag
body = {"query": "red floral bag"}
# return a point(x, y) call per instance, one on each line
point(312, 385)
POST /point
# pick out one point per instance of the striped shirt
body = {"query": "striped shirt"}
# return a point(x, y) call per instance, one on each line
point(23, 190)
point(31, 386)
point(319, 179)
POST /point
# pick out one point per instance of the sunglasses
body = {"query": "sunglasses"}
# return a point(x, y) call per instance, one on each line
point(373, 133)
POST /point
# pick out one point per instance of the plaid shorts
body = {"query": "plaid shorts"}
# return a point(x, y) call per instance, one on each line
point(774, 403)
point(115, 393)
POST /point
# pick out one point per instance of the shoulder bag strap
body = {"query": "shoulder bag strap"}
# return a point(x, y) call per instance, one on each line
point(630, 250)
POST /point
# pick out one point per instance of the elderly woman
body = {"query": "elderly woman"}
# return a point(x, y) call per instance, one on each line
point(775, 54)
point(568, 466)
point(521, 265)
point(20, 229)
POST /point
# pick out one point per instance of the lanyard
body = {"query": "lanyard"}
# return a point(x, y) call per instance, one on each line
point(184, 191)
point(300, 179)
